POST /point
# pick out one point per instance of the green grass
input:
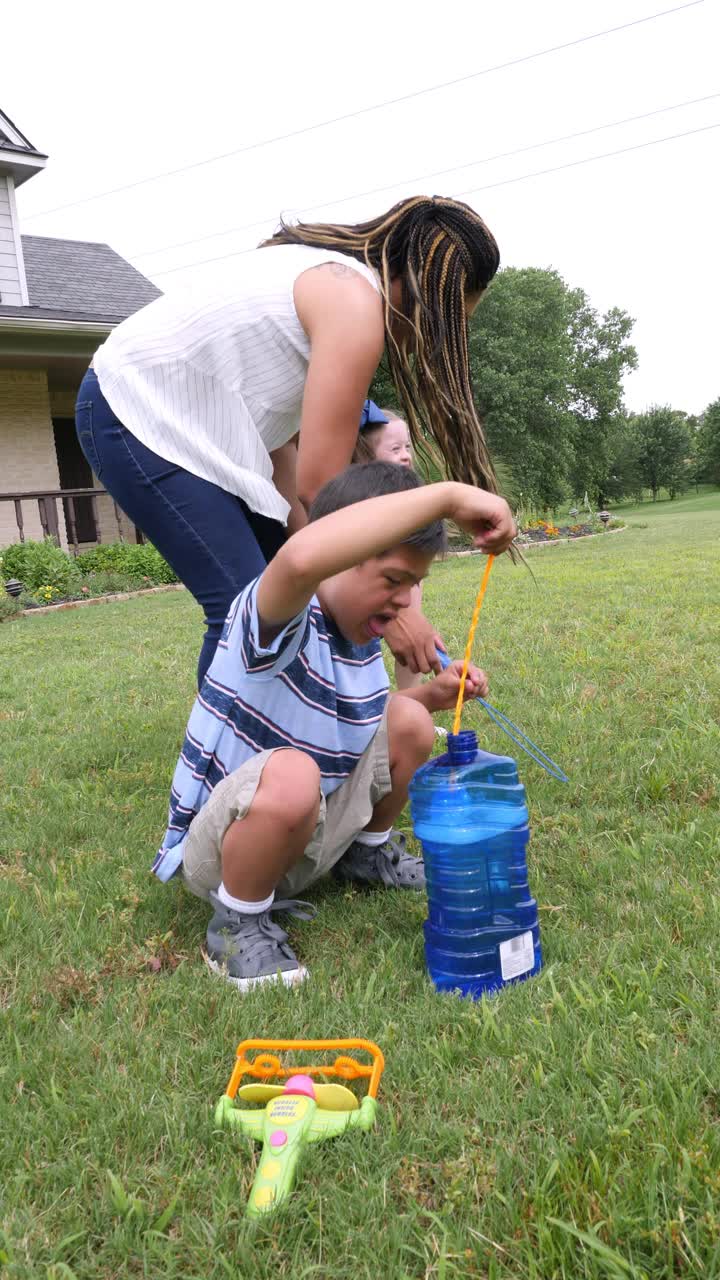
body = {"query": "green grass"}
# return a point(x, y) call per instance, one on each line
point(570, 1127)
point(706, 499)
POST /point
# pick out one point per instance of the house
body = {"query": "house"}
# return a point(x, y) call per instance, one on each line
point(59, 299)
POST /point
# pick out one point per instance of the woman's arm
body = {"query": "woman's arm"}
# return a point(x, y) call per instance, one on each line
point(284, 462)
point(342, 315)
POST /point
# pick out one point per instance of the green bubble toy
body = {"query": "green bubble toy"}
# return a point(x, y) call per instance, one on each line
point(298, 1110)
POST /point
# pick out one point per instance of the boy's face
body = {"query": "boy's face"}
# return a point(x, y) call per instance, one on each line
point(363, 601)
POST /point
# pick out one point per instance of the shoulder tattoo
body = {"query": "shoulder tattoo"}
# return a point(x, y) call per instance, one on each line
point(337, 269)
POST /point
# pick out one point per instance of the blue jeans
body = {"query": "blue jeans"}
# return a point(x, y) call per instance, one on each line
point(214, 542)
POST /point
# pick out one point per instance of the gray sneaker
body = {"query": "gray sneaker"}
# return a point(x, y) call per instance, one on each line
point(389, 864)
point(249, 949)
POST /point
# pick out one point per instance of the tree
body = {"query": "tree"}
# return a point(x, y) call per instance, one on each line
point(382, 389)
point(708, 444)
point(547, 372)
point(663, 449)
point(601, 355)
point(521, 357)
point(624, 477)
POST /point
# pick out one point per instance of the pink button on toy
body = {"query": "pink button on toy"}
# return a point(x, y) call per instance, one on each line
point(302, 1085)
point(278, 1138)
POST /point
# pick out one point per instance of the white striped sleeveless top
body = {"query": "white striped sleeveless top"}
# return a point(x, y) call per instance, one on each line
point(212, 377)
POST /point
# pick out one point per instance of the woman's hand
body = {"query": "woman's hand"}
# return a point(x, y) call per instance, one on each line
point(442, 692)
point(413, 641)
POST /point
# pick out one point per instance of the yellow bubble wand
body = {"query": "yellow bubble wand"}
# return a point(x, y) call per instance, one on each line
point(469, 645)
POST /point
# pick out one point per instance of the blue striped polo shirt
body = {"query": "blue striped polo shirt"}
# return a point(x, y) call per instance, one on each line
point(310, 689)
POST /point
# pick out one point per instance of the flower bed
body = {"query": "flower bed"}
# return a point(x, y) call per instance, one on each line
point(35, 575)
point(92, 586)
point(15, 608)
point(546, 531)
point(538, 533)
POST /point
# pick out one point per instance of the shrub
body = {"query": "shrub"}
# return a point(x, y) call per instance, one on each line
point(14, 559)
point(41, 564)
point(107, 583)
point(10, 606)
point(143, 564)
point(48, 573)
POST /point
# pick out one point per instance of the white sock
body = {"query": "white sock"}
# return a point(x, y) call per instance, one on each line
point(245, 908)
point(373, 838)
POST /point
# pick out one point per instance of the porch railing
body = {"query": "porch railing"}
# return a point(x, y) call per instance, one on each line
point(47, 500)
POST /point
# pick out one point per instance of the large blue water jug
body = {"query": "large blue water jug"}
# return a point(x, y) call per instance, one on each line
point(469, 812)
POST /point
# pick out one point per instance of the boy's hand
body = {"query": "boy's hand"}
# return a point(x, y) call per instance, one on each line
point(443, 690)
point(485, 516)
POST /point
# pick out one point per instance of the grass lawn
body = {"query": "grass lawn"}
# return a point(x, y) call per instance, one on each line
point(569, 1127)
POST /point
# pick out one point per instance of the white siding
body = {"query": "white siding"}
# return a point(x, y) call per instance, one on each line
point(13, 291)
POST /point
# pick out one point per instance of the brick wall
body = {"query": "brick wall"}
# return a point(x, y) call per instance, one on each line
point(28, 459)
point(27, 449)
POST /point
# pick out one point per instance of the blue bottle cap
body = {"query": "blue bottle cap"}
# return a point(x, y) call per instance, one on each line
point(462, 747)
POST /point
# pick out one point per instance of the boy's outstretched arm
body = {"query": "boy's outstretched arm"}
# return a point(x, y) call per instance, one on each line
point(347, 537)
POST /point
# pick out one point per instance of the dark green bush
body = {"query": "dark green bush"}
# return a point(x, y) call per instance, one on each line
point(44, 564)
point(143, 564)
point(41, 564)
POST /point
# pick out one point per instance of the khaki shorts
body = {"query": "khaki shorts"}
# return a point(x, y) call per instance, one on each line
point(343, 814)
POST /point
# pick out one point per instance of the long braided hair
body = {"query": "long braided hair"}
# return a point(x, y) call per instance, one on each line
point(442, 252)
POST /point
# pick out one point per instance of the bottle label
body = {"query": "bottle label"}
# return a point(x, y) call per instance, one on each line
point(517, 956)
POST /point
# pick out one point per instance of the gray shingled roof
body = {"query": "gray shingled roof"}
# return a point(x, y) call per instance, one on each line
point(79, 280)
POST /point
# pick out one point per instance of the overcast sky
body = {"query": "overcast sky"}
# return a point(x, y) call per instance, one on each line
point(117, 94)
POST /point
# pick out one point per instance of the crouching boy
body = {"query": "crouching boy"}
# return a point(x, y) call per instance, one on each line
point(295, 761)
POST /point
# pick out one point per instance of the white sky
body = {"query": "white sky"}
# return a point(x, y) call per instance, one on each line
point(117, 93)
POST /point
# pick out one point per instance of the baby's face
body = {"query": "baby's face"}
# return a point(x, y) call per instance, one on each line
point(393, 444)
